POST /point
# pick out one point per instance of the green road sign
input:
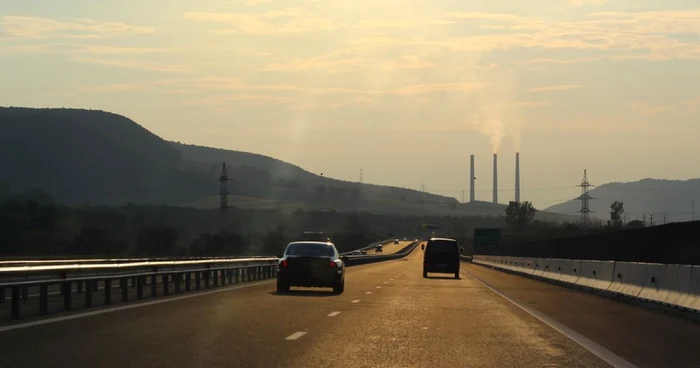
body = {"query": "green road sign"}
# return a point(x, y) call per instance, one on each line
point(487, 237)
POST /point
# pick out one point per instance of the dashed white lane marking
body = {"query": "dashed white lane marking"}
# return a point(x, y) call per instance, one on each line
point(356, 301)
point(333, 314)
point(296, 335)
point(588, 344)
point(424, 328)
point(379, 287)
point(369, 292)
point(386, 282)
point(125, 307)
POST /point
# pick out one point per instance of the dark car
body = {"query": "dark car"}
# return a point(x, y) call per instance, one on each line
point(379, 249)
point(442, 255)
point(311, 264)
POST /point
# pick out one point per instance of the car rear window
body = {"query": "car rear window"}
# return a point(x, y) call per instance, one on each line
point(441, 246)
point(310, 250)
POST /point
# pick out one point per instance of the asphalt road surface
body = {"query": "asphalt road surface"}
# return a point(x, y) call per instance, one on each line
point(389, 316)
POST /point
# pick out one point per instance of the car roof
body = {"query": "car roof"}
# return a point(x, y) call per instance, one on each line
point(442, 239)
point(311, 242)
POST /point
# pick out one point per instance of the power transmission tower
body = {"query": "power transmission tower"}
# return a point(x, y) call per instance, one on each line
point(423, 189)
point(644, 219)
point(651, 220)
point(462, 195)
point(664, 219)
point(223, 188)
point(362, 175)
point(693, 210)
point(584, 198)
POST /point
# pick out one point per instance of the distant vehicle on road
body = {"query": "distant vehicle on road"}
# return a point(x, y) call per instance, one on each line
point(441, 256)
point(364, 252)
point(379, 249)
point(396, 241)
point(313, 236)
point(356, 253)
point(311, 264)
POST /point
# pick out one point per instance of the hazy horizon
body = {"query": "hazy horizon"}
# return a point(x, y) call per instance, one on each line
point(405, 90)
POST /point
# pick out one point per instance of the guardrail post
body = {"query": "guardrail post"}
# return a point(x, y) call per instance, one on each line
point(223, 277)
point(88, 294)
point(215, 275)
point(124, 286)
point(207, 277)
point(66, 295)
point(165, 284)
point(140, 280)
point(95, 287)
point(108, 291)
point(79, 287)
point(177, 279)
point(133, 281)
point(229, 273)
point(237, 275)
point(25, 292)
point(154, 286)
point(43, 299)
point(15, 301)
point(197, 280)
point(188, 281)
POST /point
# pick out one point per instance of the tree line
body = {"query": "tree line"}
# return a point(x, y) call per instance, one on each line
point(33, 224)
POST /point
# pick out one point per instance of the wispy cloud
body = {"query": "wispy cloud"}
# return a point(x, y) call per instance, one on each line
point(36, 28)
point(350, 60)
point(273, 22)
point(587, 2)
point(135, 64)
point(563, 87)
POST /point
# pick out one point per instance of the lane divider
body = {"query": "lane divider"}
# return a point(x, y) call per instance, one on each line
point(296, 335)
point(369, 292)
point(356, 301)
point(333, 314)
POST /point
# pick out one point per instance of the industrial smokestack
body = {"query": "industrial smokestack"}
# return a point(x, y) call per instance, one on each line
point(495, 178)
point(517, 176)
point(471, 180)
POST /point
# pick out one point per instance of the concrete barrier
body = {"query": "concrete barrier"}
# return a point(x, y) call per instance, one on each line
point(667, 284)
point(569, 269)
point(691, 300)
point(671, 285)
point(596, 274)
point(628, 278)
point(550, 269)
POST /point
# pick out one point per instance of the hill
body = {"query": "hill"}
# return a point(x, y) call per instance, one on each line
point(102, 158)
point(107, 159)
point(657, 197)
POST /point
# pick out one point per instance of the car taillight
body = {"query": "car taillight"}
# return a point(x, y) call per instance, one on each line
point(284, 263)
point(333, 264)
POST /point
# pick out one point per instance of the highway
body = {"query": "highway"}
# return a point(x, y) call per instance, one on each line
point(389, 316)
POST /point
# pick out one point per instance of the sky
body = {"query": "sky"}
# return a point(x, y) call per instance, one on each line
point(403, 90)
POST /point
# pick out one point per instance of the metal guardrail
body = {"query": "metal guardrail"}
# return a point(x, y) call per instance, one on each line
point(365, 259)
point(87, 278)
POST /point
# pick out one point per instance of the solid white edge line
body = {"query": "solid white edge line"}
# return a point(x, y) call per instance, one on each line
point(125, 307)
point(369, 292)
point(588, 344)
point(296, 335)
point(333, 314)
point(355, 301)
